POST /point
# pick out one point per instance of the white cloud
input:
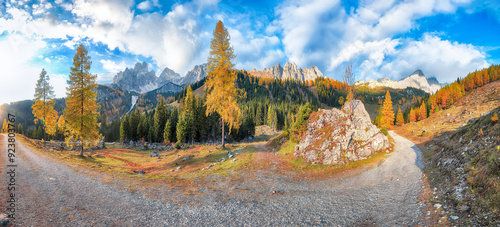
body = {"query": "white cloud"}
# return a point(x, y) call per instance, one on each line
point(17, 68)
point(113, 67)
point(146, 5)
point(442, 59)
point(47, 60)
point(314, 31)
point(58, 82)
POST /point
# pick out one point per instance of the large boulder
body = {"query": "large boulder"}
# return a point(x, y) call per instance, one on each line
point(336, 137)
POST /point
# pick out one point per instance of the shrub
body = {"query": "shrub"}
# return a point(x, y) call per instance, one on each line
point(177, 145)
point(494, 118)
point(384, 131)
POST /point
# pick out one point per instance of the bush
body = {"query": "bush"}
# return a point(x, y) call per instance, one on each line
point(177, 145)
point(384, 131)
point(494, 118)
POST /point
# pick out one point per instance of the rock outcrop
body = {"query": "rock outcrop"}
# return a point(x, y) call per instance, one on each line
point(335, 137)
point(416, 80)
point(290, 71)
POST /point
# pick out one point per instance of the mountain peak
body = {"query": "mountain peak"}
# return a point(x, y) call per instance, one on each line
point(416, 80)
point(418, 72)
point(291, 71)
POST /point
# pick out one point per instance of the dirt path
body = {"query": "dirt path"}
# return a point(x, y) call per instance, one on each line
point(49, 192)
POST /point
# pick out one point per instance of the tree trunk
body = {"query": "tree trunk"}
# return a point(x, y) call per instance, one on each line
point(222, 120)
point(81, 150)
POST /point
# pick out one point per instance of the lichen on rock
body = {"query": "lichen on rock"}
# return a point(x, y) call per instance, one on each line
point(337, 137)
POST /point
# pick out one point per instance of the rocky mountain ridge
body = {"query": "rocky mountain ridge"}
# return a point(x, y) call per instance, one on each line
point(139, 79)
point(289, 71)
point(417, 80)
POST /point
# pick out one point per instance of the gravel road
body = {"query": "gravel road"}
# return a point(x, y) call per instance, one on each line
point(50, 193)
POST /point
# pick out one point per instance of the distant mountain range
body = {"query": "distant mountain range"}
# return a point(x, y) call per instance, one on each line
point(139, 79)
point(289, 71)
point(416, 80)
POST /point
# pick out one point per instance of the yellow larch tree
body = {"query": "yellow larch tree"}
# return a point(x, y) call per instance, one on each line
point(43, 107)
point(387, 112)
point(399, 118)
point(5, 127)
point(422, 113)
point(413, 116)
point(81, 111)
point(222, 93)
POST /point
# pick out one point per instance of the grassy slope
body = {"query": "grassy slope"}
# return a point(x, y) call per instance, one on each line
point(462, 164)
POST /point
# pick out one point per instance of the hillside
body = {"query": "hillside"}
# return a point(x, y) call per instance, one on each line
point(461, 149)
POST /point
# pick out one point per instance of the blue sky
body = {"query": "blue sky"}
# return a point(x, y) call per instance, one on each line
point(381, 38)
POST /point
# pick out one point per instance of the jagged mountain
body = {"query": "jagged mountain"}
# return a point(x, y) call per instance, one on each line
point(289, 71)
point(168, 75)
point(196, 74)
point(416, 80)
point(139, 79)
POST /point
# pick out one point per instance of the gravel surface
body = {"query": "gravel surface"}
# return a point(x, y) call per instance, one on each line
point(52, 194)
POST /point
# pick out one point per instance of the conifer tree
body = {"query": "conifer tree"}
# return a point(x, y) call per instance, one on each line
point(422, 114)
point(5, 126)
point(387, 112)
point(43, 107)
point(61, 126)
point(81, 104)
point(159, 120)
point(222, 94)
point(124, 127)
point(399, 118)
point(413, 116)
point(19, 129)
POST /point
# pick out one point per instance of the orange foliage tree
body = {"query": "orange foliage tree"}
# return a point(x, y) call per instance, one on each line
point(222, 94)
point(399, 118)
point(387, 112)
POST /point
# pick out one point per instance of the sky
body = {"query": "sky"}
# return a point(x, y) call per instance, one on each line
point(446, 39)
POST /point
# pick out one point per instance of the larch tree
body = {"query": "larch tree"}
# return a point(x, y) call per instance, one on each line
point(422, 112)
point(222, 93)
point(43, 107)
point(413, 116)
point(82, 109)
point(5, 126)
point(387, 112)
point(61, 126)
point(399, 118)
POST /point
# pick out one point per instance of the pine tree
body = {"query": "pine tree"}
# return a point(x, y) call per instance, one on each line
point(222, 94)
point(81, 104)
point(422, 114)
point(19, 129)
point(413, 116)
point(399, 118)
point(159, 120)
point(387, 112)
point(182, 129)
point(124, 127)
point(43, 107)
